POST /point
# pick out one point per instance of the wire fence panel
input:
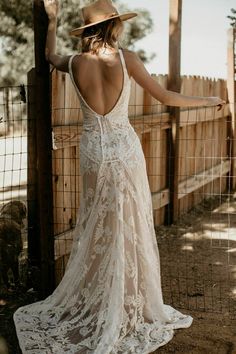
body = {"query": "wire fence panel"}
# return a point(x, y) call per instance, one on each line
point(13, 185)
point(197, 251)
point(198, 259)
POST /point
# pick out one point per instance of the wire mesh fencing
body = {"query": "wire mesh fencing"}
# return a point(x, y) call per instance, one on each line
point(14, 202)
point(197, 251)
point(13, 184)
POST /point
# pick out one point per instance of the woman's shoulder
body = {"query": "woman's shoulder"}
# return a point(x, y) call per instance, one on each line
point(131, 59)
point(82, 58)
point(129, 53)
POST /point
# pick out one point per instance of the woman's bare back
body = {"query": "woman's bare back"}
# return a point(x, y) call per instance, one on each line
point(99, 79)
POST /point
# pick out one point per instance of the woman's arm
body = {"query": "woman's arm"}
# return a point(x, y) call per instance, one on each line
point(169, 98)
point(60, 62)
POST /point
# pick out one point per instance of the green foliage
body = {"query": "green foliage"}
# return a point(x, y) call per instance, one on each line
point(233, 18)
point(17, 38)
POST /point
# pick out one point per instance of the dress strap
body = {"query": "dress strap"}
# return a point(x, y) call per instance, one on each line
point(123, 61)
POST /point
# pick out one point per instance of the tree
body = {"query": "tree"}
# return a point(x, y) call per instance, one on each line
point(233, 18)
point(16, 32)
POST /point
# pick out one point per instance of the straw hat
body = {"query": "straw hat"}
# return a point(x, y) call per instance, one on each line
point(97, 12)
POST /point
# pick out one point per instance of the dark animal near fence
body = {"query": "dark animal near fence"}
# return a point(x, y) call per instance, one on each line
point(12, 215)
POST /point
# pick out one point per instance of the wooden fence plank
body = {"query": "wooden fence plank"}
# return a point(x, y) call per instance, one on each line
point(44, 154)
point(192, 184)
point(203, 178)
point(58, 97)
point(174, 84)
point(34, 257)
point(232, 102)
point(194, 116)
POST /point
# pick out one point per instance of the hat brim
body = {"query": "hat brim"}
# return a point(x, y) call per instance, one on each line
point(78, 31)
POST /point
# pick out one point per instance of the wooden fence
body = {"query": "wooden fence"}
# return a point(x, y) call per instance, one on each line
point(203, 154)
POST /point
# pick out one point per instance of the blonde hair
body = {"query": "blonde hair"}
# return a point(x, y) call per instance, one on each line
point(106, 33)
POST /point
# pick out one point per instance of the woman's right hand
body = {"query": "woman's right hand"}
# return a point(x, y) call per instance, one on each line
point(51, 8)
point(215, 101)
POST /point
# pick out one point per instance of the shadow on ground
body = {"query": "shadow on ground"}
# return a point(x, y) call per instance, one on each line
point(198, 267)
point(9, 301)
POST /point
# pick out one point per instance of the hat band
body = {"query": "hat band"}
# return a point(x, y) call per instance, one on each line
point(99, 18)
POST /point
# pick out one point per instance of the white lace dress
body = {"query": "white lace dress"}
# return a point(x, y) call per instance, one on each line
point(109, 300)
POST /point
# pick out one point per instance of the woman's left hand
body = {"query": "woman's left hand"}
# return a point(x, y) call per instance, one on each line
point(51, 8)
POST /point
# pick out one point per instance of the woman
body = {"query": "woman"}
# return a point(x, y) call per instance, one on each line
point(109, 300)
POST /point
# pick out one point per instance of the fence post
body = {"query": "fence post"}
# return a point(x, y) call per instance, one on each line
point(173, 84)
point(33, 229)
point(44, 151)
point(232, 102)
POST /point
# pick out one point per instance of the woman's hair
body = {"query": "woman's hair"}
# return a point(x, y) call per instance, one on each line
point(105, 34)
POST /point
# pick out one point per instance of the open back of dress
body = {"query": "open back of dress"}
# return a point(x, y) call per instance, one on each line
point(109, 300)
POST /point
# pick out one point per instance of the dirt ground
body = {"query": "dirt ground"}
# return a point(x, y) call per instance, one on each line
point(208, 334)
point(198, 267)
point(9, 302)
